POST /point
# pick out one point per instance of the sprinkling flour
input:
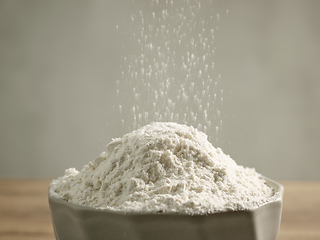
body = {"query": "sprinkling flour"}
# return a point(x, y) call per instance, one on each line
point(163, 167)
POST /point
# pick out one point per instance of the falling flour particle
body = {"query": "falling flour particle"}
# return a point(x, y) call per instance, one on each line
point(163, 167)
point(171, 55)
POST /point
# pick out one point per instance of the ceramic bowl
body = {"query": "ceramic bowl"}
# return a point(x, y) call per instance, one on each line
point(75, 222)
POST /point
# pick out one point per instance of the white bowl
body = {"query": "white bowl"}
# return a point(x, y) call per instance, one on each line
point(76, 222)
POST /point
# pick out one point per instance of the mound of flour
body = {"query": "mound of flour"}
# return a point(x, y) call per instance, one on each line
point(163, 167)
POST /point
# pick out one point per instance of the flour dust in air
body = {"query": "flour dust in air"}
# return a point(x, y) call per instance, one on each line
point(168, 73)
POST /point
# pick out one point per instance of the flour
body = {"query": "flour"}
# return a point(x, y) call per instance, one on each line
point(163, 167)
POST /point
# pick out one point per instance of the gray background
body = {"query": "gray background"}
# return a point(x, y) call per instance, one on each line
point(59, 61)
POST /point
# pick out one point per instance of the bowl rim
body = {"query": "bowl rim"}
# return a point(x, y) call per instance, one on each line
point(278, 190)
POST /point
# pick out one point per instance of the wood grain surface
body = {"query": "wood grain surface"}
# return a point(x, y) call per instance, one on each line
point(25, 213)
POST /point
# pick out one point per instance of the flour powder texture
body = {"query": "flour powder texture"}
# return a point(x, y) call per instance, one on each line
point(163, 167)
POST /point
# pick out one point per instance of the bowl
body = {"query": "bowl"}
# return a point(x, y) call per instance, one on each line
point(76, 222)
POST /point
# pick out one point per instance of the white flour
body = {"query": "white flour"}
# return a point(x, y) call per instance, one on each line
point(163, 167)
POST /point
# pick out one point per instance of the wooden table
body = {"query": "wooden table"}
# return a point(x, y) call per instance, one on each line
point(25, 214)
